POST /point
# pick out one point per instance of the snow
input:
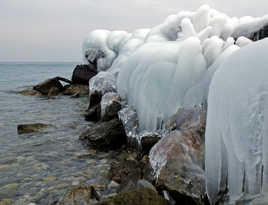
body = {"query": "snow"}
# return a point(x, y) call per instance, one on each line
point(236, 132)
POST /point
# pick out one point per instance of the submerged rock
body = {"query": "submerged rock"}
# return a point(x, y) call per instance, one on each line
point(105, 135)
point(35, 127)
point(6, 202)
point(136, 197)
point(46, 86)
point(30, 92)
point(78, 195)
point(82, 74)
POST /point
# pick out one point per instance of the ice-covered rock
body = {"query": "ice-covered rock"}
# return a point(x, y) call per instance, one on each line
point(236, 133)
point(110, 106)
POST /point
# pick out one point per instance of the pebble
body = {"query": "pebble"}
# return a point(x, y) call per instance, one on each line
point(49, 179)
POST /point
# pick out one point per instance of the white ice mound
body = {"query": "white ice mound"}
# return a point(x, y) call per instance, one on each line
point(237, 126)
point(169, 66)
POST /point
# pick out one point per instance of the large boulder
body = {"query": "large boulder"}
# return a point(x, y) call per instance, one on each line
point(135, 197)
point(46, 86)
point(105, 135)
point(178, 158)
point(82, 74)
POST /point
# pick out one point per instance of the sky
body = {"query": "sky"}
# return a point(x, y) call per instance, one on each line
point(53, 30)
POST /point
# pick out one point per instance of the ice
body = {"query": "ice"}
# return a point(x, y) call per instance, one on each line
point(169, 66)
point(236, 132)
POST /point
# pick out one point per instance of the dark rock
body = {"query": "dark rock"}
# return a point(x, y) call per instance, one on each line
point(28, 128)
point(127, 168)
point(30, 92)
point(260, 34)
point(105, 135)
point(93, 114)
point(53, 92)
point(47, 85)
point(142, 183)
point(75, 89)
point(78, 195)
point(135, 197)
point(148, 141)
point(110, 106)
point(82, 74)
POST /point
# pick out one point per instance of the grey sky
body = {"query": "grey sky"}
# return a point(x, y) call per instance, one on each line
point(53, 30)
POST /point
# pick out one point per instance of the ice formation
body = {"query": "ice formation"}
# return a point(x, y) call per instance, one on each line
point(237, 126)
point(169, 66)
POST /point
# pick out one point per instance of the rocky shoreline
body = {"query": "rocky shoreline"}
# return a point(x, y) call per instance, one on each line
point(154, 170)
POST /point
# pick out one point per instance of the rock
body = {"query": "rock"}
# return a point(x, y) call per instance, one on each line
point(127, 170)
point(145, 184)
point(47, 85)
point(75, 89)
point(105, 135)
point(49, 179)
point(30, 92)
point(53, 92)
point(110, 106)
point(29, 128)
point(94, 113)
point(83, 73)
point(178, 162)
point(260, 34)
point(135, 197)
point(6, 202)
point(113, 187)
point(148, 141)
point(78, 195)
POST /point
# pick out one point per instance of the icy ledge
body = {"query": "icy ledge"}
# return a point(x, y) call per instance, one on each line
point(237, 127)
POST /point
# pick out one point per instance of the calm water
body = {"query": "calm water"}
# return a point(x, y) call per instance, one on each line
point(39, 167)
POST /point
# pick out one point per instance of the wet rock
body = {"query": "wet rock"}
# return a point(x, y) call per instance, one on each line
point(6, 202)
point(178, 162)
point(53, 92)
point(148, 141)
point(93, 114)
point(135, 197)
point(75, 89)
point(83, 73)
point(30, 92)
point(29, 128)
point(105, 135)
point(77, 195)
point(47, 85)
point(110, 106)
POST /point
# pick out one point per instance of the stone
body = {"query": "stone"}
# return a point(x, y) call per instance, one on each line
point(178, 163)
point(49, 179)
point(83, 73)
point(46, 86)
point(53, 92)
point(148, 141)
point(29, 128)
point(105, 135)
point(30, 92)
point(135, 197)
point(260, 34)
point(110, 106)
point(75, 89)
point(6, 202)
point(93, 114)
point(113, 187)
point(76, 196)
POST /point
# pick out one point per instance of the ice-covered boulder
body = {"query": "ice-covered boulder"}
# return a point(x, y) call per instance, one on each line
point(110, 106)
point(237, 131)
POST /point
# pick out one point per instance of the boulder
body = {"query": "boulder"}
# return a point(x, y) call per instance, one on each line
point(110, 106)
point(148, 141)
point(75, 89)
point(82, 74)
point(78, 195)
point(178, 158)
point(53, 92)
point(29, 128)
point(93, 114)
point(47, 85)
point(105, 135)
point(135, 197)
